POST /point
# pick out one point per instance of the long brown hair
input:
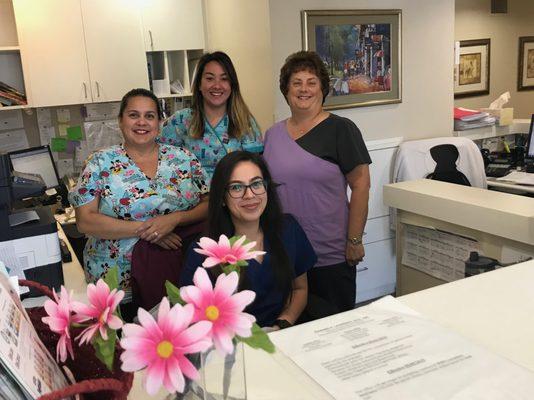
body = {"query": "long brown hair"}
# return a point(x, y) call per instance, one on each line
point(240, 119)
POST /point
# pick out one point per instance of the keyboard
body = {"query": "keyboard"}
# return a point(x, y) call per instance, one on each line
point(498, 170)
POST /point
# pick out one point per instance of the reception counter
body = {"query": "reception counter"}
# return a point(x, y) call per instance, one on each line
point(492, 309)
point(502, 223)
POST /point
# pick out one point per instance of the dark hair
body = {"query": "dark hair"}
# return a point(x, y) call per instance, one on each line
point(239, 116)
point(271, 221)
point(304, 61)
point(142, 93)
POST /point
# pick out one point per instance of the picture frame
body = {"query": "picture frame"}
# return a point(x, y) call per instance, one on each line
point(362, 52)
point(525, 64)
point(472, 73)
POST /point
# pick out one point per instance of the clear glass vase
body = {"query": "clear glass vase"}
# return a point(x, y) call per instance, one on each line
point(221, 377)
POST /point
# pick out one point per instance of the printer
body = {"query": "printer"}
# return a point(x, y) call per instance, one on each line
point(29, 239)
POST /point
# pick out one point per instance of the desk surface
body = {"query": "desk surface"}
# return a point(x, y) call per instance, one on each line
point(510, 187)
point(493, 309)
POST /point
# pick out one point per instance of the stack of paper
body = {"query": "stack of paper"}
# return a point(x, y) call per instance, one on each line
point(465, 118)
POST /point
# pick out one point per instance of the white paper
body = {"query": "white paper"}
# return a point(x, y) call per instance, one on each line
point(436, 253)
point(13, 140)
point(519, 178)
point(62, 129)
point(65, 166)
point(10, 259)
point(21, 351)
point(101, 111)
point(102, 134)
point(44, 117)
point(380, 353)
point(500, 101)
point(46, 133)
point(63, 115)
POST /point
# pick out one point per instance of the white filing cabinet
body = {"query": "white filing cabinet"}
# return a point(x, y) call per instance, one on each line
point(376, 274)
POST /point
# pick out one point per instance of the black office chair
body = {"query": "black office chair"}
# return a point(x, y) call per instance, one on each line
point(445, 156)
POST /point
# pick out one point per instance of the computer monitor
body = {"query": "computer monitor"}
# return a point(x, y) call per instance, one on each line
point(36, 160)
point(530, 142)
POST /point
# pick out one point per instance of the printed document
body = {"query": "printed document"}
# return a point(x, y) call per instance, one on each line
point(383, 352)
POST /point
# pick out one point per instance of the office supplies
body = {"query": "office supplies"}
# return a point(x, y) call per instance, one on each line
point(498, 170)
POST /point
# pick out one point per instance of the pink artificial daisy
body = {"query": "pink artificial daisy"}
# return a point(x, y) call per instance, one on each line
point(59, 319)
point(162, 345)
point(224, 253)
point(102, 307)
point(221, 307)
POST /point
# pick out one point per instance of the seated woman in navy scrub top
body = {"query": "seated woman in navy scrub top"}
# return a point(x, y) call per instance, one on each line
point(243, 201)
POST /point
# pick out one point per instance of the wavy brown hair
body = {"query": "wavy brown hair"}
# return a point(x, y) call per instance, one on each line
point(240, 119)
point(304, 61)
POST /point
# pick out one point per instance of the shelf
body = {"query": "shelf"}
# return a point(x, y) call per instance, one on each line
point(518, 126)
point(9, 48)
point(175, 95)
point(5, 108)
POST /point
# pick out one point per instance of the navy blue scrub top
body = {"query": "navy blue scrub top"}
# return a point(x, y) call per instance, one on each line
point(269, 302)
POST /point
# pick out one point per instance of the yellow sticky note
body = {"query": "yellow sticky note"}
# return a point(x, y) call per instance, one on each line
point(62, 128)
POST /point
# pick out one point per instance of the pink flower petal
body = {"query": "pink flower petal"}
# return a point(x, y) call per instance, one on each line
point(154, 376)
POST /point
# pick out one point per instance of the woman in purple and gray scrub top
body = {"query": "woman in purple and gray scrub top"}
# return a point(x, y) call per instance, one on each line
point(313, 156)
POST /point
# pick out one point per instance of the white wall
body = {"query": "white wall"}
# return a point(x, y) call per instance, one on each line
point(475, 21)
point(427, 65)
point(241, 29)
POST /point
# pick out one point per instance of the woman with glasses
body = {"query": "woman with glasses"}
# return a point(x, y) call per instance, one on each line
point(243, 201)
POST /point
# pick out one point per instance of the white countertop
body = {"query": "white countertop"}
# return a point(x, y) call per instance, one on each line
point(497, 213)
point(493, 309)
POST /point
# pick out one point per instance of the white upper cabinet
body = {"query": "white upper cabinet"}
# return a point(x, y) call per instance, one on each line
point(52, 45)
point(114, 44)
point(173, 25)
point(80, 51)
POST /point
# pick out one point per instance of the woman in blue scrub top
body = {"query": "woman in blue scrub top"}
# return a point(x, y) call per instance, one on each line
point(218, 122)
point(243, 201)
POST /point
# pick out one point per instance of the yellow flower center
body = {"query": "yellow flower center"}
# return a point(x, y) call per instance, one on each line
point(212, 313)
point(165, 349)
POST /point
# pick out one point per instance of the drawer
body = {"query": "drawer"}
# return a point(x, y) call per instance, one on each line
point(376, 274)
point(377, 229)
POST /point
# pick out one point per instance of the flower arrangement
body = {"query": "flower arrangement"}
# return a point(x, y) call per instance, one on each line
point(190, 320)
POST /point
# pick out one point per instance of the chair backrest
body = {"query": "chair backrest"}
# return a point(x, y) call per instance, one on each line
point(414, 160)
point(445, 156)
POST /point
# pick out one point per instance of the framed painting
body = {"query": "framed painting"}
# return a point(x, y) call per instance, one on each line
point(525, 76)
point(472, 73)
point(361, 50)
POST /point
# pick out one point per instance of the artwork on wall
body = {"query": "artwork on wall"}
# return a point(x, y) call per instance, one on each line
point(472, 74)
point(525, 76)
point(361, 50)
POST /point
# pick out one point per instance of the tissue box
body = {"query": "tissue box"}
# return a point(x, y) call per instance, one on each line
point(505, 115)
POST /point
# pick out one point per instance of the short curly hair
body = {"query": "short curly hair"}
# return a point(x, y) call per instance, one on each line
point(304, 61)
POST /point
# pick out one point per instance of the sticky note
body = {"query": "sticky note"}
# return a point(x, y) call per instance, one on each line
point(58, 144)
point(62, 128)
point(71, 146)
point(74, 133)
point(63, 115)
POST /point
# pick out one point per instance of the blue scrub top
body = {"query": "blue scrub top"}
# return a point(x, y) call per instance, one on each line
point(269, 301)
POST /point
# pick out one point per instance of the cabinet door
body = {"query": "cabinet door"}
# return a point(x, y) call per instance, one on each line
point(173, 25)
point(53, 51)
point(115, 51)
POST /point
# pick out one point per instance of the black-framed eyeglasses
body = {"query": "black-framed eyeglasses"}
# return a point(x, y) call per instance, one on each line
point(238, 190)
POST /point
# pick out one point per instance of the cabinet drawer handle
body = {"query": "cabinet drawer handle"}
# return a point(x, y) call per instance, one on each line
point(151, 39)
point(361, 269)
point(97, 89)
point(85, 89)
